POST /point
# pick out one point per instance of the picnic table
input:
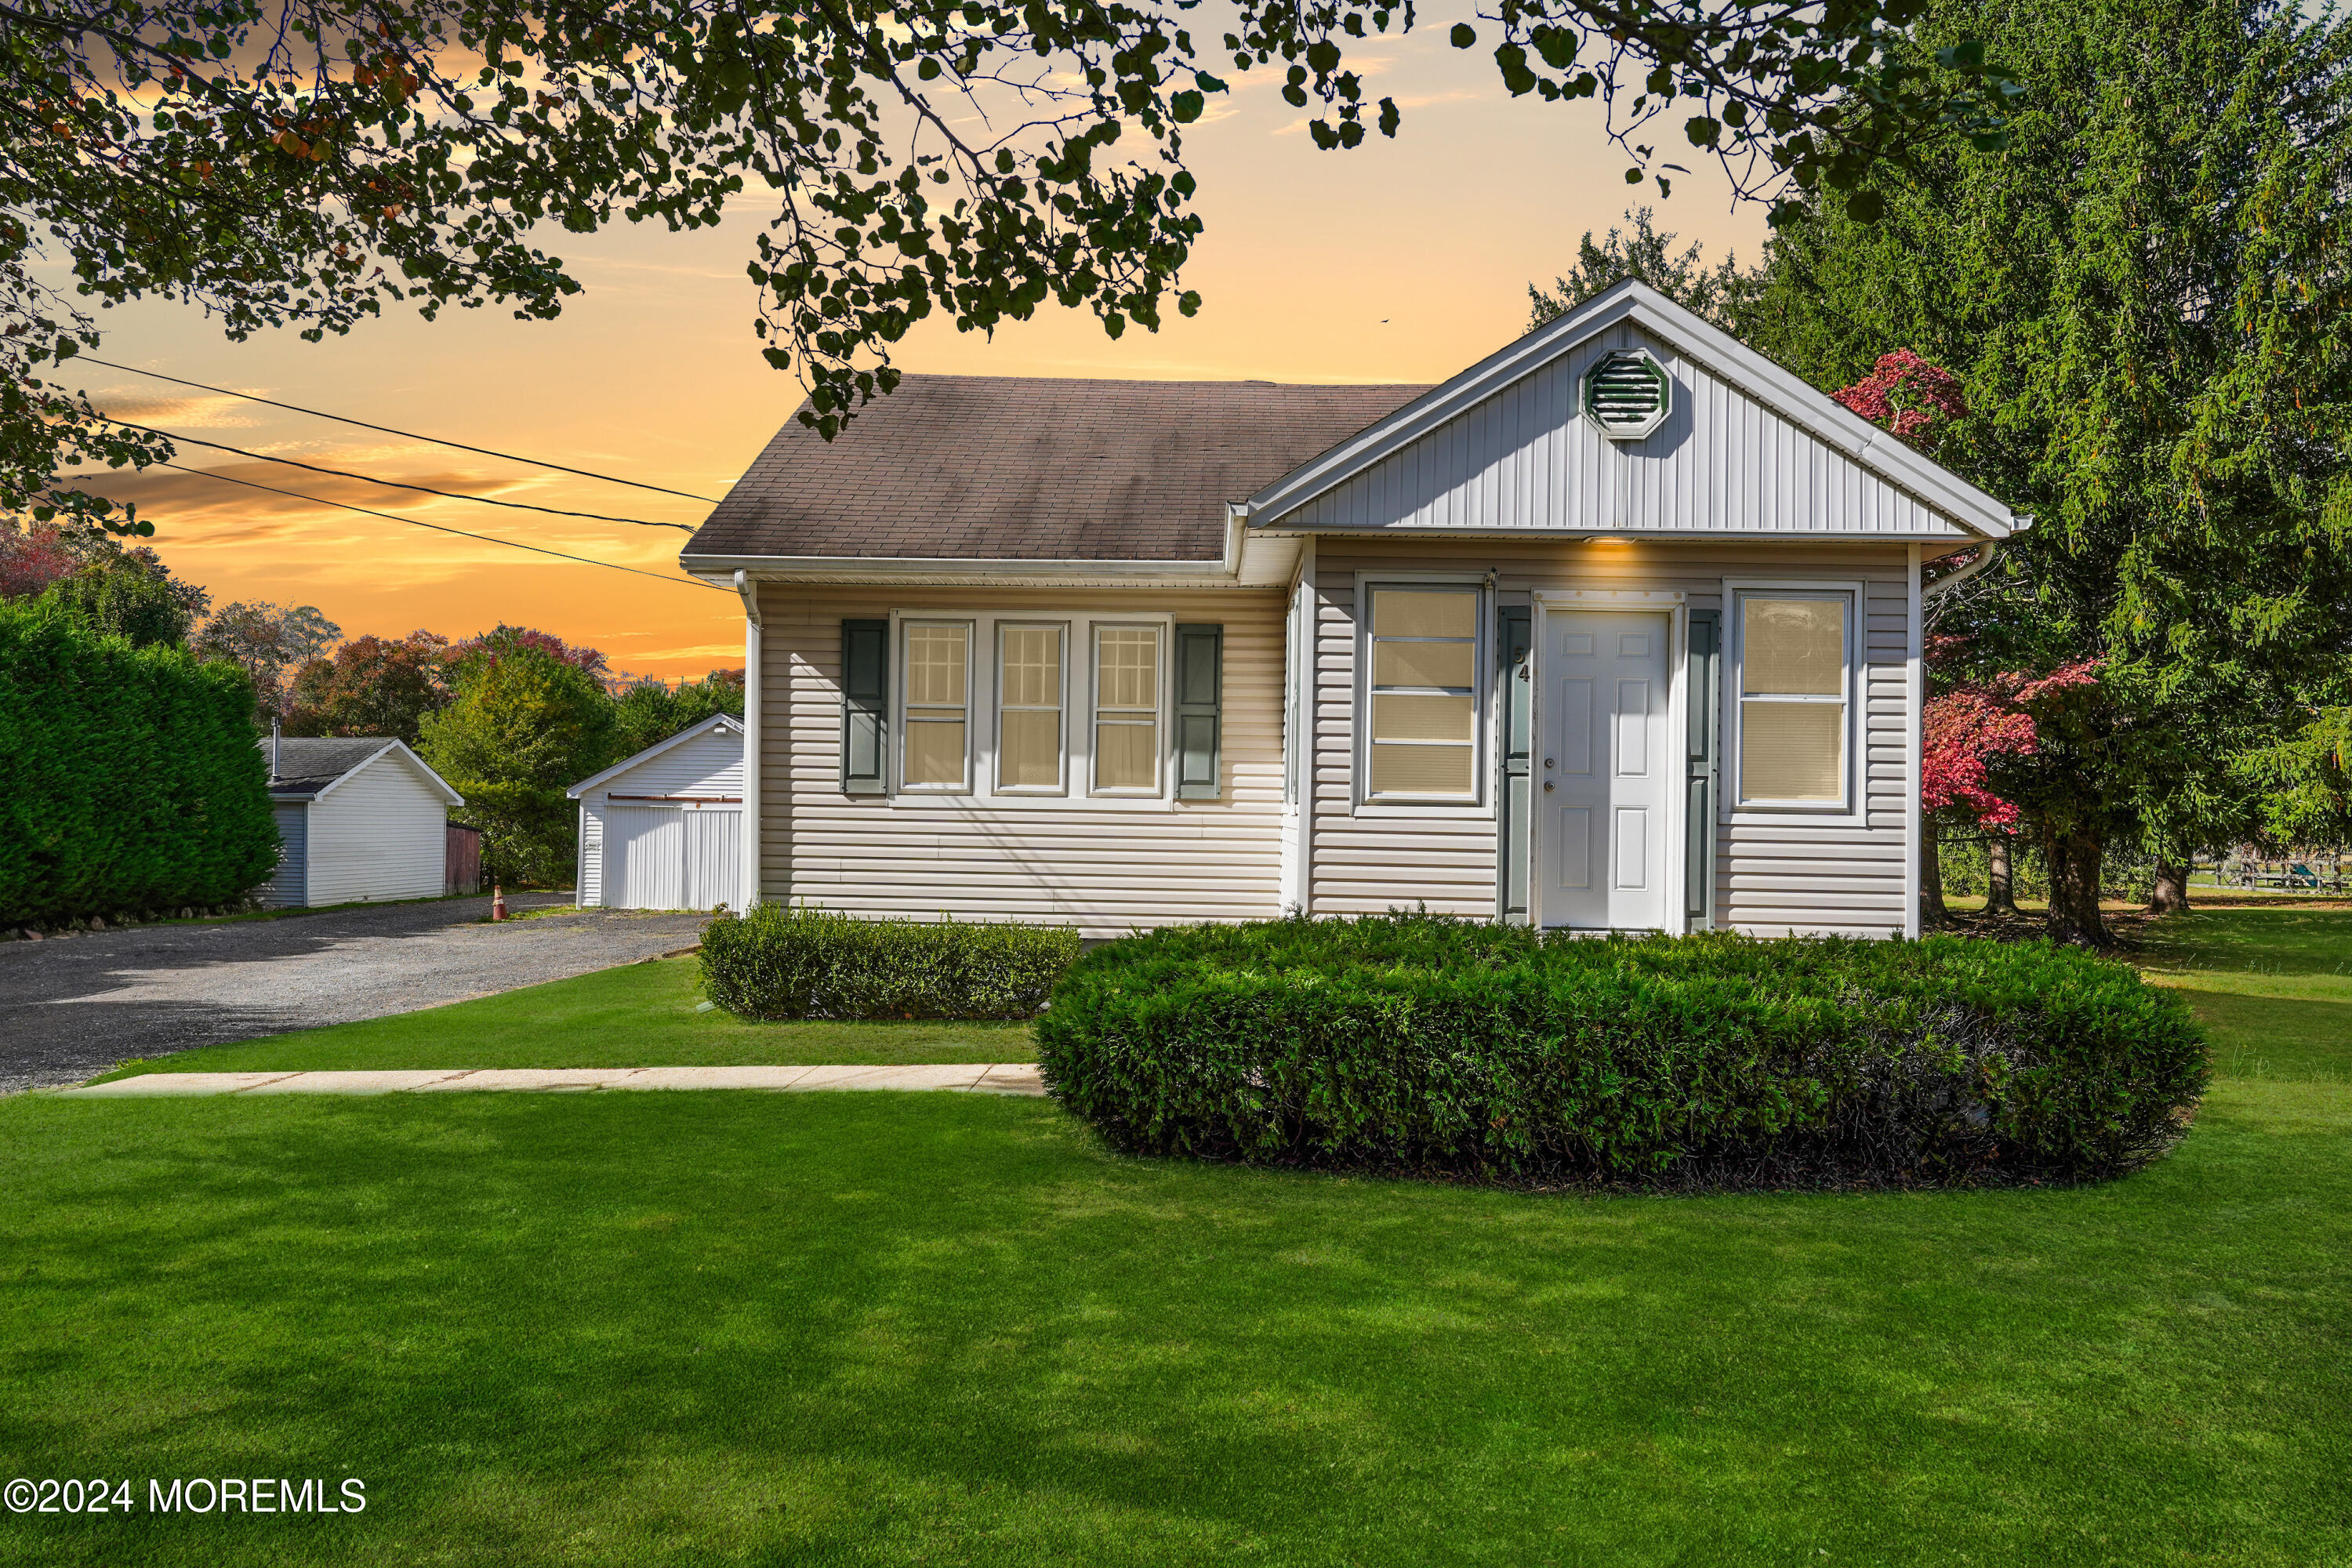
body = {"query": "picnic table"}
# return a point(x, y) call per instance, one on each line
point(2310, 876)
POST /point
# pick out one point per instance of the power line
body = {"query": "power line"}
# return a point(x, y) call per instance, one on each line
point(416, 522)
point(392, 484)
point(388, 430)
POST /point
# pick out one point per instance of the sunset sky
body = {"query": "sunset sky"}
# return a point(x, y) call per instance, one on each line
point(1397, 261)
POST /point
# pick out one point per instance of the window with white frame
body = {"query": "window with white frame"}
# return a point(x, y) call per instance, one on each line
point(936, 752)
point(1127, 696)
point(1795, 695)
point(1423, 687)
point(1032, 677)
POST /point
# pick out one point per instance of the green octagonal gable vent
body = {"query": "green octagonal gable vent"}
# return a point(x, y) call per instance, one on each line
point(1628, 394)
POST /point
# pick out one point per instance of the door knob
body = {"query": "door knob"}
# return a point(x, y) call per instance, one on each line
point(1547, 785)
point(1547, 761)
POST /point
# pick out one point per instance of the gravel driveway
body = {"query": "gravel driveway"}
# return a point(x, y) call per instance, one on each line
point(73, 1006)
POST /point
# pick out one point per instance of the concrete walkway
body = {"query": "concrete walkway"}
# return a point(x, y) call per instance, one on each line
point(999, 1078)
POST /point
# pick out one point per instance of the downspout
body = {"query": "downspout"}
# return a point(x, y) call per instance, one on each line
point(755, 804)
point(273, 775)
point(1986, 551)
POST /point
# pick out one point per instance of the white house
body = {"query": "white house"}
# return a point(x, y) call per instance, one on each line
point(663, 830)
point(360, 820)
point(1618, 628)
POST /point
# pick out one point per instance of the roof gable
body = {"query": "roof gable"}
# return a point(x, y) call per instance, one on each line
point(1747, 447)
point(310, 766)
point(716, 723)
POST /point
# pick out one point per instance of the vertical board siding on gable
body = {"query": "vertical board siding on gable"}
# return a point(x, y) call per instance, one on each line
point(1722, 463)
point(1102, 867)
point(1772, 877)
point(381, 834)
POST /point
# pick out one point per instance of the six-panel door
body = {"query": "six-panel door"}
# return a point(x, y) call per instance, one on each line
point(1606, 774)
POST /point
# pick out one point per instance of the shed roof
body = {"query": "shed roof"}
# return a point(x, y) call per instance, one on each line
point(1021, 468)
point(309, 766)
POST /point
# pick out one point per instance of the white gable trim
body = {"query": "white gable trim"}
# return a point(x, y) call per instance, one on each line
point(439, 783)
point(716, 722)
point(1837, 427)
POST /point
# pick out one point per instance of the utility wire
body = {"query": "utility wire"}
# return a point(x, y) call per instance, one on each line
point(395, 484)
point(388, 430)
point(415, 522)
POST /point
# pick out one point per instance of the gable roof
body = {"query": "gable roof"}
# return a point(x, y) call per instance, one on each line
point(1637, 303)
point(716, 722)
point(311, 765)
point(992, 468)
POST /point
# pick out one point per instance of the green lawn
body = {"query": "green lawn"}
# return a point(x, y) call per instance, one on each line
point(640, 1015)
point(734, 1328)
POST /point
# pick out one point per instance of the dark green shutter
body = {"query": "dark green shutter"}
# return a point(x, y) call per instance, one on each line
point(865, 706)
point(1200, 690)
point(1513, 802)
point(1706, 704)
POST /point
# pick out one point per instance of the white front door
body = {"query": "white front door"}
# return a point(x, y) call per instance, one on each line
point(1604, 802)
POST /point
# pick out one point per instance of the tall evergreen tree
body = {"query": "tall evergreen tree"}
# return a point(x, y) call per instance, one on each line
point(2146, 297)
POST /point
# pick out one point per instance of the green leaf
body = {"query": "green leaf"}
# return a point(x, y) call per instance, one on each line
point(1185, 107)
point(1865, 206)
point(1463, 36)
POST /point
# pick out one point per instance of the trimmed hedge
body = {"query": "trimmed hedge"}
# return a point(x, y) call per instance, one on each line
point(792, 962)
point(130, 781)
point(1418, 1044)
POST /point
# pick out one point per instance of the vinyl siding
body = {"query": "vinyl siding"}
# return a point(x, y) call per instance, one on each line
point(1525, 459)
point(380, 834)
point(285, 887)
point(1774, 875)
point(1104, 865)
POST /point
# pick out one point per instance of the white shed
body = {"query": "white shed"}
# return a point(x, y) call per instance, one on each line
point(361, 820)
point(663, 830)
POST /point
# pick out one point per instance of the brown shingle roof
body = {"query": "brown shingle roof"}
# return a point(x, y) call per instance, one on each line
point(1009, 468)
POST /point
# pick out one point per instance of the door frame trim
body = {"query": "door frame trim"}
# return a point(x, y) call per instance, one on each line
point(1675, 605)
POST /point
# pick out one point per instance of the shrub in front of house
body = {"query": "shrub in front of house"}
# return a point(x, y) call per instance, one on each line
point(784, 961)
point(1413, 1044)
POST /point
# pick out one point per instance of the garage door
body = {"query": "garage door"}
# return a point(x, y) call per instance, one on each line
point(672, 856)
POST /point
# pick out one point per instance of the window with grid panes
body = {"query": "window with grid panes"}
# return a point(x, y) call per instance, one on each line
point(1424, 692)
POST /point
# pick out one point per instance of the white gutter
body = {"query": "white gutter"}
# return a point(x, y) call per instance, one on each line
point(753, 804)
point(1985, 550)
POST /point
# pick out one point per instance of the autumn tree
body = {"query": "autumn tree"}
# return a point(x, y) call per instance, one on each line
point(90, 576)
point(372, 686)
point(269, 642)
point(2144, 298)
